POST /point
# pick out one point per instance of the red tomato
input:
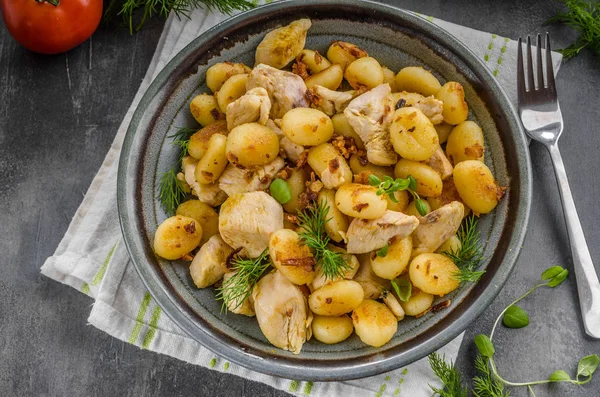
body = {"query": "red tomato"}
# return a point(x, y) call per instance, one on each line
point(51, 29)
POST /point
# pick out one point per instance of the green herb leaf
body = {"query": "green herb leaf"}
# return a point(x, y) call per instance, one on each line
point(171, 191)
point(421, 207)
point(485, 384)
point(484, 345)
point(587, 366)
point(313, 235)
point(551, 272)
point(450, 377)
point(470, 254)
point(280, 191)
point(559, 376)
point(403, 288)
point(234, 291)
point(383, 251)
point(584, 17)
point(374, 180)
point(515, 317)
point(412, 183)
point(558, 279)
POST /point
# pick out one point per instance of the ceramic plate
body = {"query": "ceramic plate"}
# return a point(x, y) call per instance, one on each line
point(396, 38)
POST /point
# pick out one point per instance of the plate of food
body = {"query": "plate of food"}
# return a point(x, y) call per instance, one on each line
point(324, 190)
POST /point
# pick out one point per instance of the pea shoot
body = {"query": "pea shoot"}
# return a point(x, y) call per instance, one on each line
point(390, 186)
point(280, 191)
point(488, 381)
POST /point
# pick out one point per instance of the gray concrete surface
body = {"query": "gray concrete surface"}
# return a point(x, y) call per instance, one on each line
point(58, 116)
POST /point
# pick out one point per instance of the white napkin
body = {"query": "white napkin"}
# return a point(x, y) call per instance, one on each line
point(93, 259)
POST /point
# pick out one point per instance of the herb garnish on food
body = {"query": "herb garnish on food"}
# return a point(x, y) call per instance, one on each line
point(313, 235)
point(247, 272)
point(171, 189)
point(583, 16)
point(488, 382)
point(390, 186)
point(470, 254)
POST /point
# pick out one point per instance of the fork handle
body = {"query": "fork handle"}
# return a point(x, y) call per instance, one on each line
point(588, 286)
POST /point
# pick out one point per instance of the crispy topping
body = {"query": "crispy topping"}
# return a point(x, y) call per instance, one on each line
point(302, 159)
point(345, 145)
point(300, 69)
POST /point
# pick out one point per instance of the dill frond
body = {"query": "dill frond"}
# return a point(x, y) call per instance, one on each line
point(584, 17)
point(171, 191)
point(484, 384)
point(313, 235)
point(470, 254)
point(450, 377)
point(235, 290)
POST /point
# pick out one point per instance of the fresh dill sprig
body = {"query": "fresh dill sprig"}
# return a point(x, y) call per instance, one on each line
point(142, 10)
point(313, 235)
point(234, 291)
point(470, 254)
point(181, 138)
point(171, 191)
point(450, 377)
point(584, 17)
point(484, 384)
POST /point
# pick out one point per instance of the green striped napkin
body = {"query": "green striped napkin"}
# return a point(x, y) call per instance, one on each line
point(92, 256)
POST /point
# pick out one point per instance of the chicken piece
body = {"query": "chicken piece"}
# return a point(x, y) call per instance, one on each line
point(370, 115)
point(275, 127)
point(282, 45)
point(282, 312)
point(437, 227)
point(209, 194)
point(236, 180)
point(209, 264)
point(246, 221)
point(328, 101)
point(286, 90)
point(246, 308)
point(430, 106)
point(372, 284)
point(253, 106)
point(366, 235)
point(440, 163)
point(292, 150)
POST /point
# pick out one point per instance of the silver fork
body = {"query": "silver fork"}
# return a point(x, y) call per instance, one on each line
point(542, 119)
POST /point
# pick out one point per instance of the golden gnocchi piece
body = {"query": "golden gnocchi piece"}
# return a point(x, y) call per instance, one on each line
point(412, 134)
point(306, 126)
point(465, 142)
point(336, 298)
point(218, 74)
point(177, 236)
point(297, 183)
point(374, 323)
point(402, 200)
point(389, 77)
point(213, 162)
point(205, 109)
point(364, 72)
point(456, 109)
point(330, 78)
point(418, 303)
point(292, 258)
point(233, 88)
point(329, 165)
point(332, 330)
point(395, 262)
point(204, 214)
point(338, 222)
point(360, 201)
point(199, 140)
point(453, 244)
point(252, 144)
point(344, 53)
point(417, 79)
point(443, 130)
point(362, 168)
point(433, 274)
point(476, 186)
point(429, 182)
point(313, 61)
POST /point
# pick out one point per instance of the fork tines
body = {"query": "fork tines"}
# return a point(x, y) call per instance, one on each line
point(544, 82)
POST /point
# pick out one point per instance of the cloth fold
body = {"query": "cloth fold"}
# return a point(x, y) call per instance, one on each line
point(93, 259)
